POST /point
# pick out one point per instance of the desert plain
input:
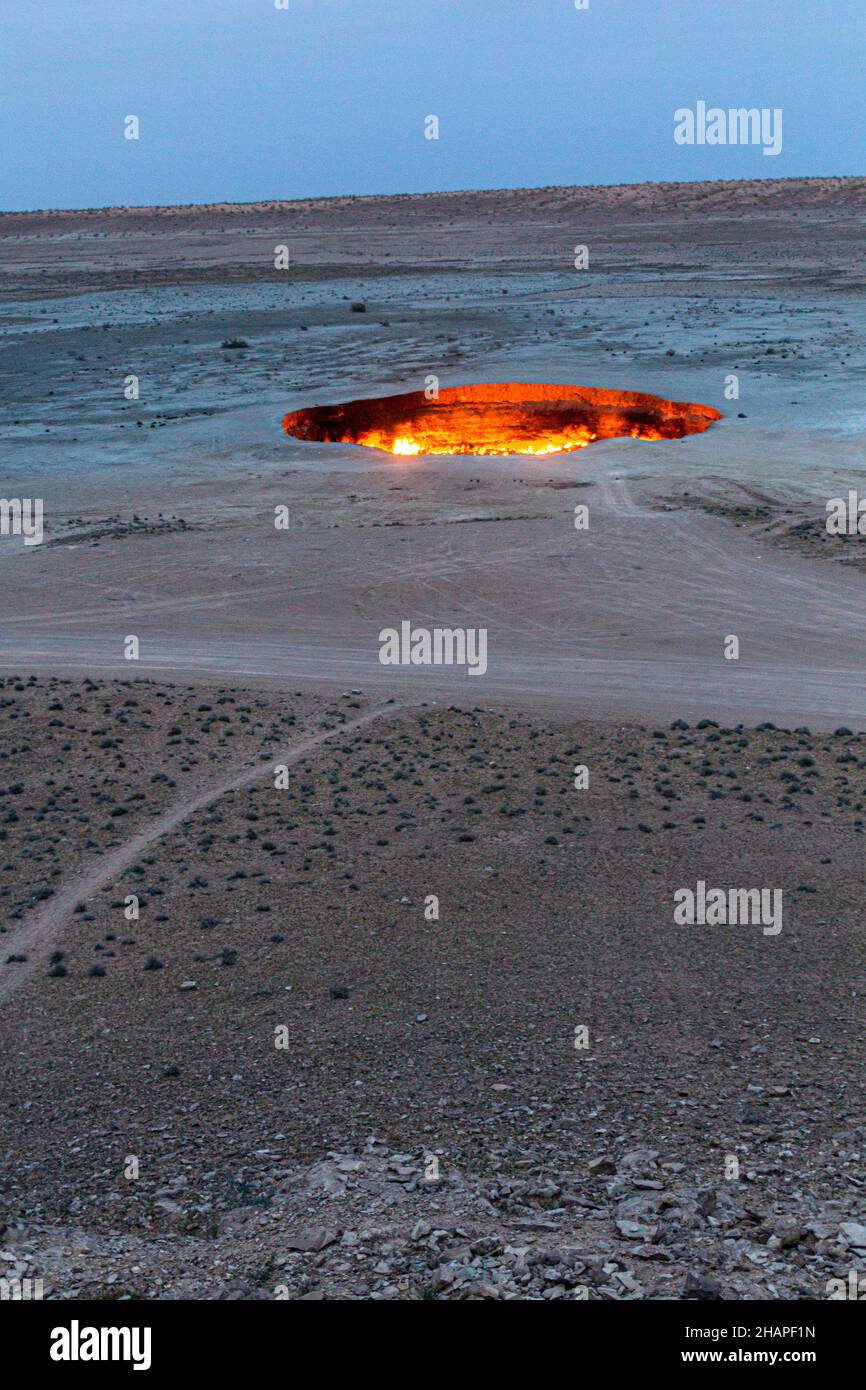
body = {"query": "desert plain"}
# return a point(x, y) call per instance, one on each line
point(413, 1017)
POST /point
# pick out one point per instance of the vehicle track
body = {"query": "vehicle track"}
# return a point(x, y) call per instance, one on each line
point(41, 929)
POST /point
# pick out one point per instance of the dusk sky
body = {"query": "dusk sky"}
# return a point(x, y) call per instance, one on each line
point(238, 100)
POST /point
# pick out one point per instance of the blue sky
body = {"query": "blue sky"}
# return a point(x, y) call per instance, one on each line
point(239, 101)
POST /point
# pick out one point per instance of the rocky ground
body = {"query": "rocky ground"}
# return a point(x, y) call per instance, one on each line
point(291, 1077)
point(371, 1225)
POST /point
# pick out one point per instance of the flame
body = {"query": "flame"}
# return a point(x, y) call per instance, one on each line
point(400, 446)
point(374, 439)
point(499, 419)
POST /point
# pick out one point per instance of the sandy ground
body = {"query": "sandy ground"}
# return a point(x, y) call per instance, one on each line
point(687, 285)
point(561, 1173)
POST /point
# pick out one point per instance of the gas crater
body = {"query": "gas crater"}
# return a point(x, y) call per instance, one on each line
point(503, 418)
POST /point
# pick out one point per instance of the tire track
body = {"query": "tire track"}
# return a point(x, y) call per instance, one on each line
point(41, 930)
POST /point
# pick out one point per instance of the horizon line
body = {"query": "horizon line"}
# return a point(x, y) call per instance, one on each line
point(431, 193)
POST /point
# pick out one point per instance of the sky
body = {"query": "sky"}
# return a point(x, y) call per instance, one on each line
point(238, 100)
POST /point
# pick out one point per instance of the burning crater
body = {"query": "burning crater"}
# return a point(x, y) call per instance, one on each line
point(509, 417)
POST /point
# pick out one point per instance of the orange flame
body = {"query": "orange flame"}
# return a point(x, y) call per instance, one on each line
point(500, 419)
point(400, 446)
point(375, 439)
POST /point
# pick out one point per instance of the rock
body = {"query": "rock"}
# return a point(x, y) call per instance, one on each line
point(327, 1175)
point(313, 1239)
point(599, 1166)
point(701, 1286)
point(642, 1204)
point(750, 1112)
point(635, 1230)
point(707, 1201)
point(638, 1161)
point(786, 1233)
point(854, 1234)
